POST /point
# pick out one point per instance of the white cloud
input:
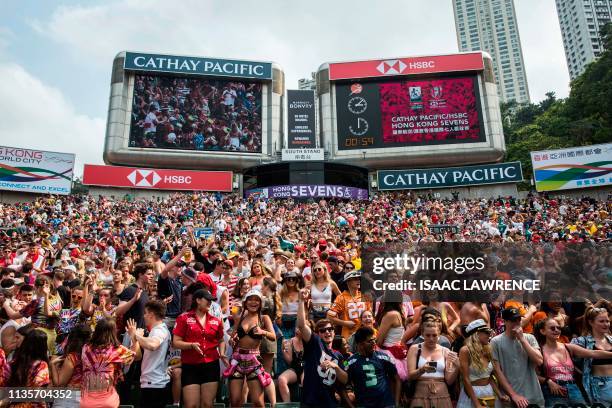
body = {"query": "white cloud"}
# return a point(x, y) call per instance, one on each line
point(38, 116)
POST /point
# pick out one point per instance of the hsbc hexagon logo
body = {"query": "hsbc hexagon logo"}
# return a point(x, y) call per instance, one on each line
point(391, 67)
point(144, 178)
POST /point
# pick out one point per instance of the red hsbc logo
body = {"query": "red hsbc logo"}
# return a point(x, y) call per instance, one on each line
point(144, 178)
point(391, 67)
point(406, 66)
point(157, 179)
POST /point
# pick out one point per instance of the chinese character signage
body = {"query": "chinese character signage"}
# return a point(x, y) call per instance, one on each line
point(575, 167)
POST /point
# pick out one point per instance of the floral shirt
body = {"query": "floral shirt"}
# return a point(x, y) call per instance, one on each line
point(36, 310)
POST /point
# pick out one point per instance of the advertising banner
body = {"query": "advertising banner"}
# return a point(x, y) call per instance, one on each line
point(35, 171)
point(450, 176)
point(308, 191)
point(301, 118)
point(406, 66)
point(575, 167)
point(399, 113)
point(302, 154)
point(157, 179)
point(135, 61)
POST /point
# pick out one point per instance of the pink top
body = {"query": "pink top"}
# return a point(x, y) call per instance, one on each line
point(559, 370)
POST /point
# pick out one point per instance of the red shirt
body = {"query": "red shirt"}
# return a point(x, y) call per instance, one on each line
point(190, 330)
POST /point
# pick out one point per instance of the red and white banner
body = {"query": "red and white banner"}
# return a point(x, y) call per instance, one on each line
point(157, 179)
point(406, 66)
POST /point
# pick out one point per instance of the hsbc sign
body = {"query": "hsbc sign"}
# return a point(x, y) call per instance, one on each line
point(406, 66)
point(157, 179)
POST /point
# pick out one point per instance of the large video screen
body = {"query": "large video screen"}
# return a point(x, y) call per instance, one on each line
point(196, 114)
point(403, 113)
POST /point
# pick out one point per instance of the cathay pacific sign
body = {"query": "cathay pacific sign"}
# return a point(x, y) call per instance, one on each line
point(197, 66)
point(450, 176)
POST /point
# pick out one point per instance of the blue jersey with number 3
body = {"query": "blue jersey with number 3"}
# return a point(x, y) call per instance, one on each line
point(372, 378)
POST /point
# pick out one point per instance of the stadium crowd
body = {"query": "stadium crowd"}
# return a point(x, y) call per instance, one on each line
point(194, 114)
point(120, 299)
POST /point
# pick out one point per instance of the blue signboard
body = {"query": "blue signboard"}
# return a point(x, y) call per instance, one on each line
point(135, 61)
point(203, 232)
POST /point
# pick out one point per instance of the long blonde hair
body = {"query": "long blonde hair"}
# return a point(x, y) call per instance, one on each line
point(476, 351)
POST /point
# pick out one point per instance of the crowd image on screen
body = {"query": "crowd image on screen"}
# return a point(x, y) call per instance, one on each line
point(196, 114)
point(197, 299)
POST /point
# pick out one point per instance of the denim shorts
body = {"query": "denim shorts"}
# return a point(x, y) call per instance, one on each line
point(603, 388)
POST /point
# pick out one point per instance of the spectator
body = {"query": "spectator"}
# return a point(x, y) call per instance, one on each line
point(433, 367)
point(372, 373)
point(103, 358)
point(391, 322)
point(293, 354)
point(30, 365)
point(67, 370)
point(245, 365)
point(134, 297)
point(596, 378)
point(322, 365)
point(515, 357)
point(43, 310)
point(322, 289)
point(155, 387)
point(348, 306)
point(478, 388)
point(199, 336)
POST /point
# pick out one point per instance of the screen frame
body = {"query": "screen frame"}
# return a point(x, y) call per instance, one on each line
point(131, 79)
point(378, 147)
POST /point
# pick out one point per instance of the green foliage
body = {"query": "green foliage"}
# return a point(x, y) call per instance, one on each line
point(583, 118)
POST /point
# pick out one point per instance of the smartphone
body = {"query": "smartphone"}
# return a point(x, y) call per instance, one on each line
point(433, 364)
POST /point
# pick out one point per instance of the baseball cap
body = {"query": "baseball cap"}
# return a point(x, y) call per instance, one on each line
point(332, 259)
point(475, 326)
point(203, 293)
point(253, 292)
point(322, 241)
point(511, 314)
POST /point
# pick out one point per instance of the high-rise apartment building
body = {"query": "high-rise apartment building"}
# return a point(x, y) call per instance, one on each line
point(581, 22)
point(490, 26)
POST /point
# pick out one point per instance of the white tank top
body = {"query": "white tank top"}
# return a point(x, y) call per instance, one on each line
point(290, 308)
point(321, 297)
point(439, 373)
point(394, 336)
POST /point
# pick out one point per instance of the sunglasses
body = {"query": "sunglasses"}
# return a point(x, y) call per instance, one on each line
point(319, 269)
point(291, 279)
point(329, 329)
point(349, 268)
point(555, 328)
point(77, 297)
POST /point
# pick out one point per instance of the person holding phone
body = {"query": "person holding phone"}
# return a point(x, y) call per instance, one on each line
point(433, 368)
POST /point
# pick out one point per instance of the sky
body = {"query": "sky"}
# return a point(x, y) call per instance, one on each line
point(56, 56)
